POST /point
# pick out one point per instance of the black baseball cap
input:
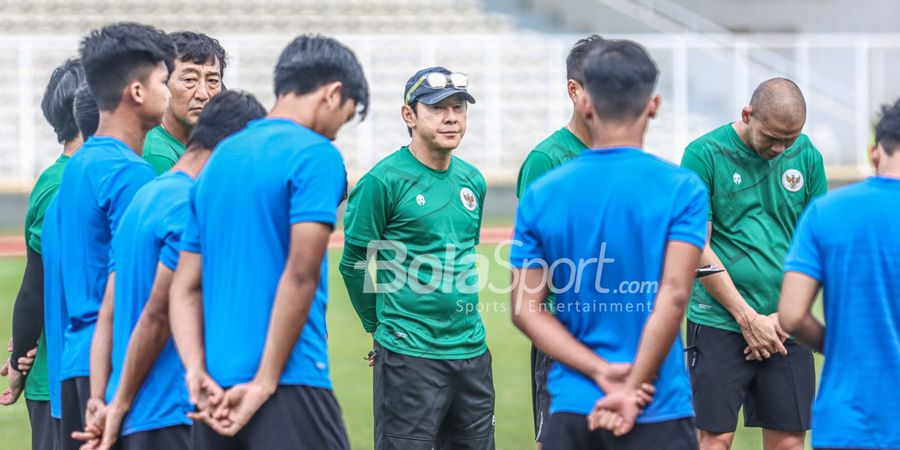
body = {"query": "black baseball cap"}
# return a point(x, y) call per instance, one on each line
point(426, 94)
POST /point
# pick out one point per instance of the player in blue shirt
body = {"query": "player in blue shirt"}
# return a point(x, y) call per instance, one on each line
point(616, 234)
point(126, 66)
point(847, 242)
point(261, 214)
point(148, 400)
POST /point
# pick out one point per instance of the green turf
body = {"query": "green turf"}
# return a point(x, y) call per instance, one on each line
point(348, 343)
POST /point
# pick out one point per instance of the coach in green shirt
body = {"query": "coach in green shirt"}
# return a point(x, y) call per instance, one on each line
point(195, 79)
point(761, 173)
point(418, 212)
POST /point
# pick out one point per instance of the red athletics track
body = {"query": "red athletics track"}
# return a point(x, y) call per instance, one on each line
point(15, 245)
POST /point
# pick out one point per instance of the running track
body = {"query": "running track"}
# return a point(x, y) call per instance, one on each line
point(15, 245)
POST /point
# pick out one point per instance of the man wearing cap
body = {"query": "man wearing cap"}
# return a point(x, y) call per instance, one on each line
point(418, 214)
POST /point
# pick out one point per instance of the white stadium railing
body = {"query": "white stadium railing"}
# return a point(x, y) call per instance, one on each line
point(519, 82)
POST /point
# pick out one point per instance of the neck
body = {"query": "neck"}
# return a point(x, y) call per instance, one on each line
point(619, 134)
point(175, 127)
point(192, 161)
point(743, 132)
point(70, 146)
point(579, 128)
point(299, 108)
point(125, 127)
point(432, 158)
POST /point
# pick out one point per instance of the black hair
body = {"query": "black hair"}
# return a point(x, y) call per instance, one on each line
point(580, 51)
point(119, 53)
point(311, 61)
point(59, 97)
point(620, 79)
point(223, 116)
point(887, 131)
point(198, 48)
point(87, 116)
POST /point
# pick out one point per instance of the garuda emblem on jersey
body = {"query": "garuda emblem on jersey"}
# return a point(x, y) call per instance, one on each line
point(792, 180)
point(468, 199)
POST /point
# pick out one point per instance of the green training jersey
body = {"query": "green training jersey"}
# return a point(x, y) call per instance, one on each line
point(558, 148)
point(426, 304)
point(161, 149)
point(36, 385)
point(754, 207)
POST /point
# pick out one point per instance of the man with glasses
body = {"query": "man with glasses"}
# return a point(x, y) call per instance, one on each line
point(418, 212)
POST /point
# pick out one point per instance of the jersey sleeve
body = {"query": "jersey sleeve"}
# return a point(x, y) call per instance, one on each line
point(689, 221)
point(170, 233)
point(482, 186)
point(818, 183)
point(317, 185)
point(527, 249)
point(34, 218)
point(536, 165)
point(805, 255)
point(696, 160)
point(190, 238)
point(368, 211)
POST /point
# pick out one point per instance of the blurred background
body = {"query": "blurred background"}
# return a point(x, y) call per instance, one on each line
point(711, 54)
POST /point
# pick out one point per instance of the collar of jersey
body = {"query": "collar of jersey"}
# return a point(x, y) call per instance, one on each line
point(609, 152)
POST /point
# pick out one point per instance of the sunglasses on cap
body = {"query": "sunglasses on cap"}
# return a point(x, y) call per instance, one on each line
point(439, 80)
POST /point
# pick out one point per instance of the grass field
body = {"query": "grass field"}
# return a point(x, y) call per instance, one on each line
point(348, 343)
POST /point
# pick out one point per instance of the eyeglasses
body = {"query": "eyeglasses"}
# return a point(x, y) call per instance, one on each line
point(438, 80)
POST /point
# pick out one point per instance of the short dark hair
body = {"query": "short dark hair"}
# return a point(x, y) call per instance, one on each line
point(580, 51)
point(198, 48)
point(59, 97)
point(223, 116)
point(311, 61)
point(887, 132)
point(119, 53)
point(87, 116)
point(620, 79)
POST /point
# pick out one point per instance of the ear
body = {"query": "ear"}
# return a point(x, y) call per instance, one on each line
point(653, 106)
point(134, 92)
point(745, 114)
point(586, 107)
point(333, 94)
point(408, 115)
point(573, 89)
point(875, 155)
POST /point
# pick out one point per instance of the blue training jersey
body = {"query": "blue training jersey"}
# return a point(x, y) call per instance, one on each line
point(849, 241)
point(55, 315)
point(260, 181)
point(601, 224)
point(97, 185)
point(149, 233)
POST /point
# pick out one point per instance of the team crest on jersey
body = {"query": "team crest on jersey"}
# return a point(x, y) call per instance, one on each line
point(468, 199)
point(420, 200)
point(737, 178)
point(792, 180)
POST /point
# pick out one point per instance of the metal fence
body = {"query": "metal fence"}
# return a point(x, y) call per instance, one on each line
point(519, 82)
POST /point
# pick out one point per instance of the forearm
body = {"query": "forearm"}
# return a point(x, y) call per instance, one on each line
point(289, 314)
point(721, 287)
point(146, 343)
point(101, 344)
point(659, 333)
point(552, 338)
point(28, 312)
point(186, 319)
point(809, 332)
point(354, 270)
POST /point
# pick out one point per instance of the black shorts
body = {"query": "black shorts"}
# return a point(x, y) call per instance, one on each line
point(294, 417)
point(568, 431)
point(427, 403)
point(176, 437)
point(41, 424)
point(74, 395)
point(540, 396)
point(776, 393)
